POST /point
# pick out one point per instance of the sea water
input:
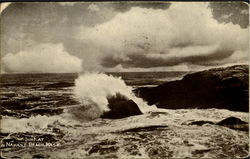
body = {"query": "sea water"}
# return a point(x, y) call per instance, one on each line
point(61, 113)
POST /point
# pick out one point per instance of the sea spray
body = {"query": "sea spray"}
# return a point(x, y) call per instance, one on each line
point(93, 89)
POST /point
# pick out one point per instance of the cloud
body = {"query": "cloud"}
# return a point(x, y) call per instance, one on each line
point(93, 8)
point(47, 23)
point(42, 58)
point(235, 12)
point(140, 35)
point(126, 6)
point(184, 33)
point(120, 68)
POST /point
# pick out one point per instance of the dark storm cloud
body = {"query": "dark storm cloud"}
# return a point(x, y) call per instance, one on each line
point(98, 33)
point(235, 12)
point(125, 6)
point(22, 23)
point(142, 61)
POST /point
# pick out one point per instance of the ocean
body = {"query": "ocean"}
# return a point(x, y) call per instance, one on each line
point(58, 116)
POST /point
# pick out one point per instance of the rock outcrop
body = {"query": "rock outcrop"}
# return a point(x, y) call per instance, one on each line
point(222, 88)
point(230, 122)
point(234, 123)
point(121, 107)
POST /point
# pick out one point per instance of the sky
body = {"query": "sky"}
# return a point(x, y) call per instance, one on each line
point(123, 36)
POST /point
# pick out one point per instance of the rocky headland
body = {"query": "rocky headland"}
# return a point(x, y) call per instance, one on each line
point(221, 88)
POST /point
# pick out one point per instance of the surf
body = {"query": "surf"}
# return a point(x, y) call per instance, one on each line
point(93, 90)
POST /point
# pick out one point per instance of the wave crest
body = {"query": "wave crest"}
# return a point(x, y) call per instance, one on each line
point(95, 89)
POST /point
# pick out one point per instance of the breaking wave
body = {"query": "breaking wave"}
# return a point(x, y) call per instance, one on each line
point(93, 89)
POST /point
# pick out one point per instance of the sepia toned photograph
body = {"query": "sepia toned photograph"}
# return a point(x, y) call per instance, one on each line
point(124, 80)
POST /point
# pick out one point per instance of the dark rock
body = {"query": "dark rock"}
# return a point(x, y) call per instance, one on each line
point(36, 156)
point(15, 157)
point(145, 128)
point(107, 150)
point(231, 121)
point(94, 149)
point(200, 123)
point(222, 88)
point(200, 151)
point(121, 107)
point(245, 157)
point(108, 142)
point(234, 123)
point(103, 149)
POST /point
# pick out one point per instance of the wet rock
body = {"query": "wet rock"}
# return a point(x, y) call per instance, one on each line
point(94, 149)
point(234, 123)
point(15, 157)
point(231, 121)
point(222, 88)
point(200, 152)
point(108, 142)
point(103, 149)
point(146, 128)
point(37, 156)
point(200, 123)
point(121, 107)
point(107, 150)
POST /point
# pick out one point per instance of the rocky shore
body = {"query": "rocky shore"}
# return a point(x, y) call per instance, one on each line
point(222, 88)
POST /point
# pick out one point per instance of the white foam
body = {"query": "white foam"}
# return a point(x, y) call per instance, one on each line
point(94, 88)
point(37, 124)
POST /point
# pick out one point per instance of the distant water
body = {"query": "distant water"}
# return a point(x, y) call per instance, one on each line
point(21, 92)
point(48, 115)
point(139, 79)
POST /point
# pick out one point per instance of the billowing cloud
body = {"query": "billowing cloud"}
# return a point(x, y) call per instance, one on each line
point(235, 12)
point(184, 33)
point(47, 23)
point(42, 58)
point(131, 35)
